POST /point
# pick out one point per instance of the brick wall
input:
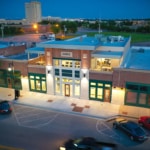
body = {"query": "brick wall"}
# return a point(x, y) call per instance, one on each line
point(12, 50)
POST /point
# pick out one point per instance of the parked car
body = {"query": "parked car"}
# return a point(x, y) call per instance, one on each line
point(87, 143)
point(5, 107)
point(132, 129)
point(144, 121)
point(43, 37)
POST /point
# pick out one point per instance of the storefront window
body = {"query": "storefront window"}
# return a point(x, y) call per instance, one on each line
point(93, 92)
point(37, 82)
point(57, 88)
point(99, 93)
point(142, 98)
point(131, 97)
point(32, 84)
point(43, 86)
point(77, 90)
point(99, 90)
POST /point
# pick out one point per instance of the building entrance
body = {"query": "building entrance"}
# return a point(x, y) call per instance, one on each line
point(67, 90)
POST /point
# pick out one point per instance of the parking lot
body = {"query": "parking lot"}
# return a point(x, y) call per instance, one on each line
point(33, 117)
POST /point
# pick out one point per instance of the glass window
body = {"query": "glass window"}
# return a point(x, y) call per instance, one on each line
point(57, 87)
point(77, 90)
point(107, 85)
point(99, 93)
point(57, 72)
point(77, 81)
point(56, 62)
point(131, 97)
point(93, 83)
point(132, 87)
point(37, 77)
point(38, 86)
point(17, 83)
point(2, 81)
point(66, 73)
point(57, 79)
point(77, 74)
point(93, 92)
point(100, 84)
point(43, 85)
point(31, 77)
point(32, 84)
point(144, 88)
point(148, 96)
point(142, 98)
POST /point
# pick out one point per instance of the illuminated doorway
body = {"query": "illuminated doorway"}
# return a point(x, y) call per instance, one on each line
point(107, 95)
point(67, 89)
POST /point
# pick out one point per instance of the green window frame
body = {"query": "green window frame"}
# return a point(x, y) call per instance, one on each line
point(37, 82)
point(137, 94)
point(96, 89)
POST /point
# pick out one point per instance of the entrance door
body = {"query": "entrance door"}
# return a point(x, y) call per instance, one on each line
point(9, 81)
point(67, 89)
point(107, 95)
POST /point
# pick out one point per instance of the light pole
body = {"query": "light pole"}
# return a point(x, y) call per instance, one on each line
point(65, 29)
point(11, 68)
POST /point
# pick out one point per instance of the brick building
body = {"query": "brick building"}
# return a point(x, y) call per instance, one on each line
point(100, 68)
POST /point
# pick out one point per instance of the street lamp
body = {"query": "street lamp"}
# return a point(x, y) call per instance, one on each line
point(35, 27)
point(65, 29)
point(11, 68)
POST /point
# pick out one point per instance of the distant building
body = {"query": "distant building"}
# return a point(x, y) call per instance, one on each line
point(33, 12)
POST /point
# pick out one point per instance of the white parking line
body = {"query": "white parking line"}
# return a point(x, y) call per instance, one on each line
point(34, 120)
point(103, 128)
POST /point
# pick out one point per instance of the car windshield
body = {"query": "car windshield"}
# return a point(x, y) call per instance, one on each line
point(139, 131)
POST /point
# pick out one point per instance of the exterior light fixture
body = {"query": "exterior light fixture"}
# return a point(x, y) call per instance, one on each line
point(10, 67)
point(48, 71)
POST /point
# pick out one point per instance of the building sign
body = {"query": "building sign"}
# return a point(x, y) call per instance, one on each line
point(66, 54)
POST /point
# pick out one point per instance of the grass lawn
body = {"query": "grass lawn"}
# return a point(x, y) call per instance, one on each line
point(135, 37)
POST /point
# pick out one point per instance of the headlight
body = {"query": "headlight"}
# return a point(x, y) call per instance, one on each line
point(75, 145)
point(62, 148)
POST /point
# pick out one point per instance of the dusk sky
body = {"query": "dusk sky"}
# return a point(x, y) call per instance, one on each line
point(103, 9)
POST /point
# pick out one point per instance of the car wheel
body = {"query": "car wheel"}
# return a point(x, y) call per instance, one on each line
point(132, 138)
point(114, 126)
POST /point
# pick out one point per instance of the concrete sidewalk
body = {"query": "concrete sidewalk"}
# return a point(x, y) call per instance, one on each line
point(89, 108)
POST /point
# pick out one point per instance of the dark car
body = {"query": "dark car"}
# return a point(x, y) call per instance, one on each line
point(5, 107)
point(43, 37)
point(144, 121)
point(132, 129)
point(87, 143)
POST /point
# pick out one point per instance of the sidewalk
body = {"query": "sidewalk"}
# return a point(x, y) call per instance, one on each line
point(89, 108)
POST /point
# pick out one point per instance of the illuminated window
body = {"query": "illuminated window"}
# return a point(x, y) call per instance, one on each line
point(99, 93)
point(77, 90)
point(93, 92)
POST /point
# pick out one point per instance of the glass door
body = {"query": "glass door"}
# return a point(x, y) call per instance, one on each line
point(107, 95)
point(67, 89)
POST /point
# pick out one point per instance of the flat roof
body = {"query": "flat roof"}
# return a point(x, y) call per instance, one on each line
point(36, 50)
point(137, 58)
point(86, 43)
point(82, 42)
point(22, 56)
point(107, 54)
